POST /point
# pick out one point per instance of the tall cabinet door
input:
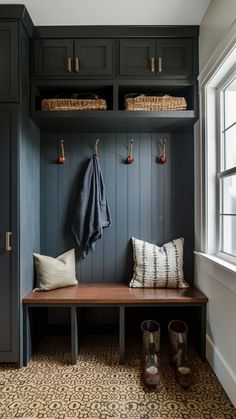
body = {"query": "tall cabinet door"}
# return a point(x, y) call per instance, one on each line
point(8, 269)
point(8, 62)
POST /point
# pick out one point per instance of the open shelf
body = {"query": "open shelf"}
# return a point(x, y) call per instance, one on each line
point(115, 121)
point(46, 91)
point(180, 91)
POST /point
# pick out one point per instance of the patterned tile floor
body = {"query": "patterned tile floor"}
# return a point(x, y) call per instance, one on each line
point(97, 387)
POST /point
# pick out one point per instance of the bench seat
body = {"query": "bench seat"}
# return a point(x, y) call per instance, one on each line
point(115, 295)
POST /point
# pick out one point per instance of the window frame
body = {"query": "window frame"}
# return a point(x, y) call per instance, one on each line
point(212, 74)
point(221, 172)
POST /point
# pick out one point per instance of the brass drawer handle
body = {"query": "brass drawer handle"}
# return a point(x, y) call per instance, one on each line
point(153, 65)
point(8, 245)
point(160, 64)
point(77, 64)
point(69, 65)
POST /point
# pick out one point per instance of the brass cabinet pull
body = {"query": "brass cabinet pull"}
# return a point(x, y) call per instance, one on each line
point(153, 65)
point(8, 241)
point(69, 65)
point(159, 64)
point(77, 64)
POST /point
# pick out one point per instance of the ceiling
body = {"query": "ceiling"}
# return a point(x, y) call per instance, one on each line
point(114, 12)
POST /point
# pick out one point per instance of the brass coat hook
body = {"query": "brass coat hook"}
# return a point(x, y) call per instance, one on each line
point(96, 147)
point(163, 158)
point(130, 158)
point(61, 159)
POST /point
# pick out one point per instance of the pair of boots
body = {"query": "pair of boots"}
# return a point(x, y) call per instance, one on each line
point(178, 352)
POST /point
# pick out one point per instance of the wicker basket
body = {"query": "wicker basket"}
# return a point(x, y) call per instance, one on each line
point(155, 103)
point(73, 104)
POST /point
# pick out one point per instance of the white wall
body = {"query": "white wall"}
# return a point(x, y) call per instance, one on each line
point(221, 324)
point(114, 12)
point(218, 18)
point(221, 317)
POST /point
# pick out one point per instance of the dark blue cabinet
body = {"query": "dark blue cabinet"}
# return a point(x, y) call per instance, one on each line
point(9, 61)
point(73, 58)
point(16, 134)
point(163, 58)
point(9, 287)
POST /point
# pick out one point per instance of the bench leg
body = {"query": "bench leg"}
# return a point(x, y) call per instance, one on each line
point(26, 326)
point(74, 335)
point(203, 332)
point(122, 335)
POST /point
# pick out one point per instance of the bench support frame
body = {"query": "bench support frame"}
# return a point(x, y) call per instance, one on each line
point(74, 325)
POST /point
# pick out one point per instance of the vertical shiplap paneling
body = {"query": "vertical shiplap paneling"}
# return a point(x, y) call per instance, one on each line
point(157, 180)
point(145, 193)
point(63, 195)
point(184, 202)
point(147, 200)
point(108, 166)
point(85, 141)
point(50, 150)
point(29, 204)
point(133, 197)
point(76, 169)
point(169, 190)
point(97, 256)
point(43, 187)
point(109, 241)
point(121, 208)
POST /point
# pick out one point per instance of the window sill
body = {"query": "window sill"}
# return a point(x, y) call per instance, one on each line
point(219, 269)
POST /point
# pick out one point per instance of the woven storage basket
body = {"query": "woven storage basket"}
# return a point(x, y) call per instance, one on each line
point(155, 103)
point(73, 104)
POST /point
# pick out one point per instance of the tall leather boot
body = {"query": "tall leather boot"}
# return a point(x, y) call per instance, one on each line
point(151, 346)
point(178, 331)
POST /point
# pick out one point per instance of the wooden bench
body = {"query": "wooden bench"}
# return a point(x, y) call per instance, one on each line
point(115, 295)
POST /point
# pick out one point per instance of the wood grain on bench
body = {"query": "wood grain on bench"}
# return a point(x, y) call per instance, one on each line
point(114, 294)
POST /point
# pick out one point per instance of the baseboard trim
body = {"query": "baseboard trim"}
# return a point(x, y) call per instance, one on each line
point(221, 368)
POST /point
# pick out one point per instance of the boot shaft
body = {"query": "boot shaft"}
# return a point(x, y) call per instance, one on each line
point(178, 331)
point(151, 335)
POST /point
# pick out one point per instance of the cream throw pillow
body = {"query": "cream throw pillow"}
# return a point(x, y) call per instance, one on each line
point(55, 273)
point(158, 267)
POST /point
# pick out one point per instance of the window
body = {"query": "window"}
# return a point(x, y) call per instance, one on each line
point(215, 163)
point(227, 168)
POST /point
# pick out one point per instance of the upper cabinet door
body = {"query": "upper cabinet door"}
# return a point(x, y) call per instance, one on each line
point(9, 62)
point(137, 57)
point(93, 57)
point(160, 59)
point(174, 58)
point(73, 58)
point(53, 57)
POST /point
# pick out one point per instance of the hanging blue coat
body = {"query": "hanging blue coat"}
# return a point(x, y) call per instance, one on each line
point(92, 212)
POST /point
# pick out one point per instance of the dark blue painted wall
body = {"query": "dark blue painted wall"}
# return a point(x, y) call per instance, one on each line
point(147, 200)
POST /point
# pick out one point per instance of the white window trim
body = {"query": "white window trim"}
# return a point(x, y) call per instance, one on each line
point(219, 65)
point(229, 77)
point(219, 269)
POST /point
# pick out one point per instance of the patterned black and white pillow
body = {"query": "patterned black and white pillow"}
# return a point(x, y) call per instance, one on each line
point(158, 267)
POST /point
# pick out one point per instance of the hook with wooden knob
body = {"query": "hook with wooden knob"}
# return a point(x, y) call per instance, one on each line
point(163, 158)
point(61, 159)
point(96, 147)
point(130, 158)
